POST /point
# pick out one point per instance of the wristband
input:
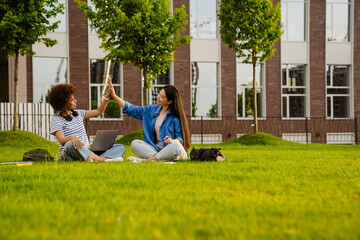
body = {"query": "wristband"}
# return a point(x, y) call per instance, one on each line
point(107, 99)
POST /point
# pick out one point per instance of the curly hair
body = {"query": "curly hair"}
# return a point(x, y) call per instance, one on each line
point(59, 95)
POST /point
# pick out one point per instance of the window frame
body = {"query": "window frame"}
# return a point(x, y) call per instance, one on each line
point(66, 16)
point(197, 22)
point(218, 91)
point(305, 23)
point(99, 97)
point(288, 95)
point(54, 83)
point(261, 86)
point(349, 21)
point(331, 86)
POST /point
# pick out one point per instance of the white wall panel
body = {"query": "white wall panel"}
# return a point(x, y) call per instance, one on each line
point(338, 53)
point(294, 52)
point(61, 49)
point(205, 50)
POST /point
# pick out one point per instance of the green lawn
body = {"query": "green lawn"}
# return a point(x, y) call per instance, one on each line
point(278, 191)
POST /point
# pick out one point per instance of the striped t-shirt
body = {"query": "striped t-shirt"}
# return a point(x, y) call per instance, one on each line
point(75, 127)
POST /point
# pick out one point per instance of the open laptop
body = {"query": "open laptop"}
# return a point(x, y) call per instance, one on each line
point(104, 140)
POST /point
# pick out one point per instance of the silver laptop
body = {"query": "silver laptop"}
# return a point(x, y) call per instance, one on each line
point(104, 140)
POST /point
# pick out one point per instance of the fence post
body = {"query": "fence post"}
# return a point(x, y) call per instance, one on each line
point(307, 130)
point(201, 129)
point(356, 131)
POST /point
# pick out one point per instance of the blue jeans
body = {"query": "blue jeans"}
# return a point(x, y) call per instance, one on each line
point(70, 153)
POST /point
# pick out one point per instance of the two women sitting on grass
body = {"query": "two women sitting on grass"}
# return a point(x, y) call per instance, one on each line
point(166, 133)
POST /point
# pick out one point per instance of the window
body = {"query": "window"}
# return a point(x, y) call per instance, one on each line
point(245, 92)
point(97, 77)
point(157, 84)
point(47, 72)
point(338, 20)
point(293, 91)
point(338, 91)
point(204, 89)
point(92, 7)
point(340, 138)
point(203, 20)
point(62, 27)
point(293, 18)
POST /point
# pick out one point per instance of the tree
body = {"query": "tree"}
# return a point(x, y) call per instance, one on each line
point(23, 23)
point(251, 28)
point(143, 32)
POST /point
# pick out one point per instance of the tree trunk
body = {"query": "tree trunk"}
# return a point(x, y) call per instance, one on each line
point(255, 97)
point(16, 80)
point(146, 87)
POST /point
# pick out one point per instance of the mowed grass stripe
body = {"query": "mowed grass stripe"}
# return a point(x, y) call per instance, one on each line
point(263, 191)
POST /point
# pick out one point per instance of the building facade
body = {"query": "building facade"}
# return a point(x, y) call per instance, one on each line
point(308, 91)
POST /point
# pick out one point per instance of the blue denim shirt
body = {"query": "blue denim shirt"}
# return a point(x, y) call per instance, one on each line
point(148, 114)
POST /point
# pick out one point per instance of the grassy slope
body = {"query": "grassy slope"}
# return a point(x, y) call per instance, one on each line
point(13, 145)
point(263, 191)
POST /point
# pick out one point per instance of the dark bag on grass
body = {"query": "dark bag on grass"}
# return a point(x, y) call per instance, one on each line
point(37, 155)
point(207, 154)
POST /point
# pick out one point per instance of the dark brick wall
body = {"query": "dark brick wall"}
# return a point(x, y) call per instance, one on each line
point(317, 63)
point(29, 78)
point(228, 81)
point(132, 84)
point(273, 81)
point(181, 65)
point(78, 54)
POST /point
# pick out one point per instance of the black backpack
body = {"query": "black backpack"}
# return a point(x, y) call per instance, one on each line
point(37, 155)
point(207, 154)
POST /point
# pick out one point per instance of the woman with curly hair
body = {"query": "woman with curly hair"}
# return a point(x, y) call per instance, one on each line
point(68, 126)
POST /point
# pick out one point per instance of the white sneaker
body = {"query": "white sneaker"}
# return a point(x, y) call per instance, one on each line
point(88, 159)
point(135, 159)
point(118, 159)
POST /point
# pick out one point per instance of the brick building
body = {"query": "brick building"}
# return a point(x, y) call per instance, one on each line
point(310, 88)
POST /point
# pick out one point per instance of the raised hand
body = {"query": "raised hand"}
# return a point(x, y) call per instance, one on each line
point(111, 89)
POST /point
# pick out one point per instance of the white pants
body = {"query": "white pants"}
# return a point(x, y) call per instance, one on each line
point(172, 151)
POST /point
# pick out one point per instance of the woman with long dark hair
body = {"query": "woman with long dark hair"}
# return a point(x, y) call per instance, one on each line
point(166, 132)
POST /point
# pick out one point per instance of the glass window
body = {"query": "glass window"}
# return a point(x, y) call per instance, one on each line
point(204, 89)
point(245, 92)
point(157, 84)
point(62, 27)
point(97, 77)
point(203, 18)
point(338, 20)
point(293, 91)
point(293, 18)
point(92, 6)
point(47, 72)
point(338, 91)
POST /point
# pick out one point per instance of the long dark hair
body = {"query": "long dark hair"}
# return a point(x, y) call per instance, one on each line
point(177, 109)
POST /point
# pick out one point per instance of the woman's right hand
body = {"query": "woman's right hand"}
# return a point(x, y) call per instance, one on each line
point(78, 144)
point(117, 99)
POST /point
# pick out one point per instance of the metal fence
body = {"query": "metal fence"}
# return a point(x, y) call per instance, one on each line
point(32, 117)
point(303, 130)
point(36, 118)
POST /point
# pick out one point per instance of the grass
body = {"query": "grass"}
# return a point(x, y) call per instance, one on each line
point(264, 191)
